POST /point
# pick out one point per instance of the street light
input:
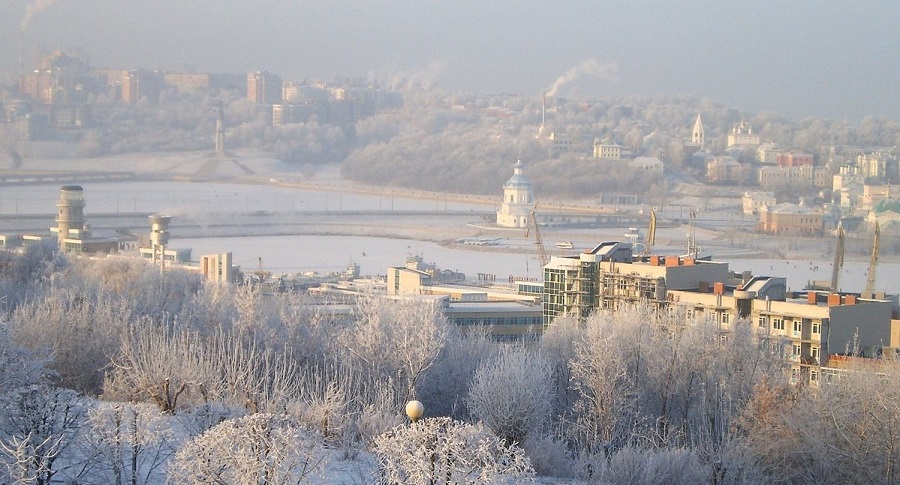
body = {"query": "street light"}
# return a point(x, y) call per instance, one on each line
point(415, 410)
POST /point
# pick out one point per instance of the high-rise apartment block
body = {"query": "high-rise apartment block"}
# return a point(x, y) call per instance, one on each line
point(264, 88)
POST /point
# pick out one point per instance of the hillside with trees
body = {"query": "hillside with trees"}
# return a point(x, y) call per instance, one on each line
point(413, 137)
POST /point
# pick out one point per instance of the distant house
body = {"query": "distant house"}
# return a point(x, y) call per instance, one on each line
point(752, 202)
point(651, 165)
point(795, 176)
point(726, 170)
point(873, 194)
point(768, 152)
point(607, 150)
point(851, 194)
point(794, 159)
point(790, 219)
point(886, 214)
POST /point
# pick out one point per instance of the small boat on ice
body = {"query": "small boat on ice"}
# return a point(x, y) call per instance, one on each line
point(565, 245)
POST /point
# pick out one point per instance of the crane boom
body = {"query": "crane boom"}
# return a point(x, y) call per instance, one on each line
point(838, 259)
point(542, 252)
point(870, 277)
point(650, 240)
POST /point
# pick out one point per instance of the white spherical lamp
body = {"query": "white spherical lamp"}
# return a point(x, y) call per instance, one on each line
point(415, 410)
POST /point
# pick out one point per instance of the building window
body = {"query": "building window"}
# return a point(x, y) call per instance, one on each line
point(797, 326)
point(796, 349)
point(814, 352)
point(762, 321)
point(726, 317)
point(815, 328)
point(777, 324)
point(813, 376)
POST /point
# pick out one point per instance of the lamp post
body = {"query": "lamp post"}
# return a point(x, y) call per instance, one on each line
point(415, 410)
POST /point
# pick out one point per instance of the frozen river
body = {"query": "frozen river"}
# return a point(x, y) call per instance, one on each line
point(176, 198)
point(323, 254)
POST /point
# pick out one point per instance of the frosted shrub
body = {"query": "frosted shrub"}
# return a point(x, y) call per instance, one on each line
point(550, 456)
point(38, 425)
point(126, 442)
point(261, 448)
point(443, 451)
point(635, 466)
point(512, 393)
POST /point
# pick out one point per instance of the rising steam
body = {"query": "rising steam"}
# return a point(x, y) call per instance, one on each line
point(32, 9)
point(589, 67)
point(424, 78)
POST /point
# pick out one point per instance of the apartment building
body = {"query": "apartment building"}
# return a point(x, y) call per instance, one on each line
point(795, 176)
point(609, 275)
point(806, 327)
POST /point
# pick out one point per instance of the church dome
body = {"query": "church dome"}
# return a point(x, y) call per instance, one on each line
point(892, 205)
point(518, 180)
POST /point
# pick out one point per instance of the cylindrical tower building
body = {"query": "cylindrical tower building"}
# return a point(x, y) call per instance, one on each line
point(159, 237)
point(71, 211)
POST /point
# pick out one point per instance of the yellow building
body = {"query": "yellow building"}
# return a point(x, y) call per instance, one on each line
point(607, 150)
point(790, 219)
point(742, 135)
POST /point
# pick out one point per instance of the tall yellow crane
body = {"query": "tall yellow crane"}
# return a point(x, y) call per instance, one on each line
point(838, 259)
point(542, 252)
point(870, 277)
point(650, 240)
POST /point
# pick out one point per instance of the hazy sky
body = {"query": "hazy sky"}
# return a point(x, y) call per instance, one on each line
point(828, 58)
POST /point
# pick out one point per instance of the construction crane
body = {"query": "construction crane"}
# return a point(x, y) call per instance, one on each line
point(542, 252)
point(220, 129)
point(870, 277)
point(693, 249)
point(650, 240)
point(838, 259)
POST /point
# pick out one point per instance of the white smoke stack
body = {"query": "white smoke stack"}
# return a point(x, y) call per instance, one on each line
point(589, 67)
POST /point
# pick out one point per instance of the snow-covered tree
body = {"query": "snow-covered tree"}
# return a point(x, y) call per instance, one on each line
point(443, 451)
point(400, 339)
point(260, 448)
point(126, 443)
point(17, 367)
point(512, 393)
point(39, 425)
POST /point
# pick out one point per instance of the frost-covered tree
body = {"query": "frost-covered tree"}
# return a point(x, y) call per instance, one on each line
point(17, 367)
point(173, 367)
point(39, 425)
point(443, 451)
point(125, 443)
point(847, 430)
point(512, 393)
point(260, 448)
point(444, 386)
point(398, 339)
point(77, 329)
point(159, 365)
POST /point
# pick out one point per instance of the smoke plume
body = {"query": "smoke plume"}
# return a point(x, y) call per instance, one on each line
point(424, 78)
point(589, 67)
point(32, 9)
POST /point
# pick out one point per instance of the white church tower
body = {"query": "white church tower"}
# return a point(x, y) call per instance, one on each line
point(518, 200)
point(697, 135)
